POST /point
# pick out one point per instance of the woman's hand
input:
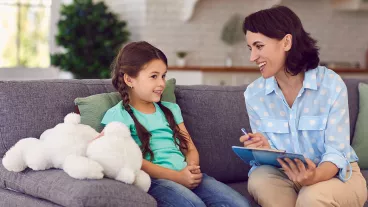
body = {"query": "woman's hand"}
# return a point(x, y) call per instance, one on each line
point(256, 140)
point(297, 172)
point(189, 179)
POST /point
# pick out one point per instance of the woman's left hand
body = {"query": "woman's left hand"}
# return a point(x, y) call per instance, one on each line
point(297, 172)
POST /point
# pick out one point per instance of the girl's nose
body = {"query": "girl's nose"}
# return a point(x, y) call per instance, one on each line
point(162, 82)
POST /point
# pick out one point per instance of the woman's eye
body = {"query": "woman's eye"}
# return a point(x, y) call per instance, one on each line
point(259, 47)
point(249, 48)
point(154, 76)
point(164, 76)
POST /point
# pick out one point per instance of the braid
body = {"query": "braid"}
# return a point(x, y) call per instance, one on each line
point(143, 134)
point(180, 138)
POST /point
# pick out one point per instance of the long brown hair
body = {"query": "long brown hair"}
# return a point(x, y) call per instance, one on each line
point(130, 60)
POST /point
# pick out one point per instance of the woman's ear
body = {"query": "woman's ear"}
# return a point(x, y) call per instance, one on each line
point(128, 80)
point(288, 42)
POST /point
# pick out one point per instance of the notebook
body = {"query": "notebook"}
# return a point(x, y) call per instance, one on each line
point(259, 156)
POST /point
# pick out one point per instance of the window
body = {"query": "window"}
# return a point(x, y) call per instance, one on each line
point(24, 36)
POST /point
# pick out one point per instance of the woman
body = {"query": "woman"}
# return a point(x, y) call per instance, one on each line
point(302, 108)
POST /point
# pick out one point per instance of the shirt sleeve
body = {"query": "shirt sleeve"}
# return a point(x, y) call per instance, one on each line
point(114, 114)
point(337, 132)
point(108, 117)
point(175, 109)
point(254, 119)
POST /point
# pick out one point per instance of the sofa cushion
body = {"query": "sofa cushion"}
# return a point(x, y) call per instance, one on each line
point(56, 186)
point(10, 198)
point(93, 108)
point(214, 116)
point(360, 142)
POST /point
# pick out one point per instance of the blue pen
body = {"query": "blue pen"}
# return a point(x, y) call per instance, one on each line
point(245, 132)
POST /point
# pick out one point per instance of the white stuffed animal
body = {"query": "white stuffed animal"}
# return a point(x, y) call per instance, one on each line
point(63, 146)
point(119, 155)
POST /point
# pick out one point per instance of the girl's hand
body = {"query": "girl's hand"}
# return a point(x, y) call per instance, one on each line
point(195, 171)
point(98, 136)
point(297, 172)
point(188, 179)
point(256, 140)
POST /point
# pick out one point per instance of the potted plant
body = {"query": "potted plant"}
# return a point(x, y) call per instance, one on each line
point(180, 61)
point(90, 35)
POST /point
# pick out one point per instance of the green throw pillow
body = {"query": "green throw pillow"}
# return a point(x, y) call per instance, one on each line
point(360, 141)
point(93, 108)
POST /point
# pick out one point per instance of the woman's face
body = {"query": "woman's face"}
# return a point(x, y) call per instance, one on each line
point(268, 53)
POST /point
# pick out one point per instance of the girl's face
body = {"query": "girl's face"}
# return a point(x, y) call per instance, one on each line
point(150, 82)
point(268, 53)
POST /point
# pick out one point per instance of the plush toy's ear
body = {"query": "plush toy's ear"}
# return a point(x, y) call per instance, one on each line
point(72, 118)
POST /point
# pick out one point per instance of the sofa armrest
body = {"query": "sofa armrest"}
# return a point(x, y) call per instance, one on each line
point(56, 186)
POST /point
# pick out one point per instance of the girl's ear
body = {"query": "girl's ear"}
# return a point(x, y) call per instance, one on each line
point(288, 42)
point(128, 80)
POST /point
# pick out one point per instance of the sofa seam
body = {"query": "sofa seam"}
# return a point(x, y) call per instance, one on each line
point(118, 198)
point(209, 90)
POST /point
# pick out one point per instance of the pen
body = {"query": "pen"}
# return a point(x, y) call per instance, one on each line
point(245, 132)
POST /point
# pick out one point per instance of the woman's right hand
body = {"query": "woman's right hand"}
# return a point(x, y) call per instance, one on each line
point(256, 140)
point(188, 179)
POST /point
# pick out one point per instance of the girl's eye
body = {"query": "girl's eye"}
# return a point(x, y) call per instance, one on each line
point(249, 48)
point(154, 76)
point(259, 47)
point(164, 76)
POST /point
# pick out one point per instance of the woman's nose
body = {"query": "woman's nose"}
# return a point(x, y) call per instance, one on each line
point(253, 56)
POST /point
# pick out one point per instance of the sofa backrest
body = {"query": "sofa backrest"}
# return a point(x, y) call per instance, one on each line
point(213, 116)
point(28, 108)
point(353, 95)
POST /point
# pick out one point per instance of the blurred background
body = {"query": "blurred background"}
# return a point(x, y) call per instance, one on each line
point(203, 40)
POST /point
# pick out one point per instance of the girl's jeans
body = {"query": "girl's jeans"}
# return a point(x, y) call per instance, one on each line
point(209, 192)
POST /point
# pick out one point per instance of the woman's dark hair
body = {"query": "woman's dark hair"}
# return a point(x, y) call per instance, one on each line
point(278, 21)
point(130, 60)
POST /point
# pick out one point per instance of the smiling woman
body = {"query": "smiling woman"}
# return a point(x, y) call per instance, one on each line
point(310, 101)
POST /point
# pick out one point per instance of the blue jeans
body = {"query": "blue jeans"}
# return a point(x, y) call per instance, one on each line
point(209, 192)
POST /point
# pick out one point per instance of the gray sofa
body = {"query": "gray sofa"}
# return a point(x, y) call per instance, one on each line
point(212, 114)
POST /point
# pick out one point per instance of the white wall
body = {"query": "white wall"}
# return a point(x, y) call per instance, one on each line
point(342, 36)
point(133, 12)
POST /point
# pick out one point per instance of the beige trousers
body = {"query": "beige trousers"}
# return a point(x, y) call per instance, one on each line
point(270, 186)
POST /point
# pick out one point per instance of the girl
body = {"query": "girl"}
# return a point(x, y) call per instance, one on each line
point(302, 108)
point(171, 159)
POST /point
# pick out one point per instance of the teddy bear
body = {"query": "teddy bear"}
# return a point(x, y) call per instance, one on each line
point(119, 155)
point(63, 147)
point(73, 147)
